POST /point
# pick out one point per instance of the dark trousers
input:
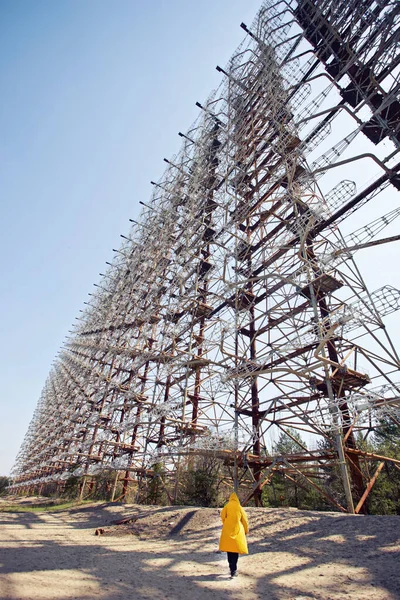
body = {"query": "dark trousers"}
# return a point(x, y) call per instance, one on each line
point(232, 560)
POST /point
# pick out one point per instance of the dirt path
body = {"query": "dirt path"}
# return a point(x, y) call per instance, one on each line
point(295, 555)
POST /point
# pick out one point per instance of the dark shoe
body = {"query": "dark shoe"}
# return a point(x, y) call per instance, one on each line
point(234, 574)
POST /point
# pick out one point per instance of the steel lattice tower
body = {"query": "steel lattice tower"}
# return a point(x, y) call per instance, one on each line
point(234, 308)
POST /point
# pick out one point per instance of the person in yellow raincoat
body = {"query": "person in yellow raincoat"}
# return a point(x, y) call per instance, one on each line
point(235, 526)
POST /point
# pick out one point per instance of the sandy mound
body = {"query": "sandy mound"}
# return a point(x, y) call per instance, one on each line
point(168, 553)
point(156, 523)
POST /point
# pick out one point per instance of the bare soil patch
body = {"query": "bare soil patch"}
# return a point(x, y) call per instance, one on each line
point(170, 553)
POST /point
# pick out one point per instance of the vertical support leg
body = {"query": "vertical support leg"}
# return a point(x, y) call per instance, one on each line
point(114, 489)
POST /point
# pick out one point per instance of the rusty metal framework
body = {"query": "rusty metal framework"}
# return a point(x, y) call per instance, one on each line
point(234, 309)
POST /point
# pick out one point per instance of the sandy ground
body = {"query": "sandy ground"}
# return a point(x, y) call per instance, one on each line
point(171, 553)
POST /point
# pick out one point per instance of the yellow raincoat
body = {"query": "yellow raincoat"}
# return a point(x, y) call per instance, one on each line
point(234, 528)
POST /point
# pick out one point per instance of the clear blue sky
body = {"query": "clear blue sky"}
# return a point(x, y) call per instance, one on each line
point(94, 93)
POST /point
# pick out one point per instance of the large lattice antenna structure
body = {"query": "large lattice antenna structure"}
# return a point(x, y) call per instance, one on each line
point(234, 308)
